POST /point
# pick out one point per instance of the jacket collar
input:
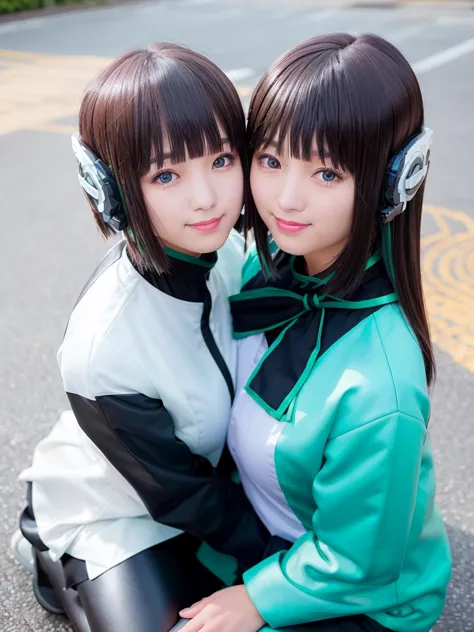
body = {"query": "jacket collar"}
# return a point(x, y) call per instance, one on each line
point(300, 322)
point(187, 277)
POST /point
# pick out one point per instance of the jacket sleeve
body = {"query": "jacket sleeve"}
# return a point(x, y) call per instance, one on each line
point(178, 488)
point(364, 498)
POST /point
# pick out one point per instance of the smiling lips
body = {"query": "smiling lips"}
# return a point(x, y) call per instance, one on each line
point(208, 226)
point(290, 227)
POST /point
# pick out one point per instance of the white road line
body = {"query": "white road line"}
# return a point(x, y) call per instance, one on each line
point(444, 57)
point(402, 34)
point(238, 74)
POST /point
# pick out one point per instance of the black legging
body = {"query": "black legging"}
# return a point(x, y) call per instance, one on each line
point(146, 592)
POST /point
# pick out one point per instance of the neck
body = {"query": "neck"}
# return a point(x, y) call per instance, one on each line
point(183, 251)
point(320, 260)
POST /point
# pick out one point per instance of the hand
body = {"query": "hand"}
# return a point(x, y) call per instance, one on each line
point(228, 610)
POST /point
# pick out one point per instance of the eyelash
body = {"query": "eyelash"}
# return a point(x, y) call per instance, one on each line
point(333, 171)
point(262, 157)
point(160, 173)
point(228, 155)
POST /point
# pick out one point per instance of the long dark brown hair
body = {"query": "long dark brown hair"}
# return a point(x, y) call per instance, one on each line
point(143, 97)
point(361, 101)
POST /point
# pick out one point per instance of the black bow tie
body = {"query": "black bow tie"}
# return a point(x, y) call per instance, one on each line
point(299, 316)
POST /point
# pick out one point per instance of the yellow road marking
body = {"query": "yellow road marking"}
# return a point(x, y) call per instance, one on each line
point(54, 127)
point(244, 91)
point(448, 273)
point(39, 89)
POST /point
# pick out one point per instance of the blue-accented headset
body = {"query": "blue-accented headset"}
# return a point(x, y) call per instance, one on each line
point(406, 173)
point(98, 182)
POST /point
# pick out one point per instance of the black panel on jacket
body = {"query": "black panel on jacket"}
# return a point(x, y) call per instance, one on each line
point(179, 488)
point(28, 526)
point(186, 280)
point(212, 345)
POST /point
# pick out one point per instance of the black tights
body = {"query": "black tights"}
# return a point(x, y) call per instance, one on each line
point(143, 594)
point(146, 592)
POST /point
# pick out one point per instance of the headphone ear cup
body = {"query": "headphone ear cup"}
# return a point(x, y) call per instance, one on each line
point(114, 212)
point(402, 183)
point(417, 165)
point(100, 186)
point(390, 183)
point(117, 216)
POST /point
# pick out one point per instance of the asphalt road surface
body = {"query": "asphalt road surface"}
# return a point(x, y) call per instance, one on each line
point(49, 244)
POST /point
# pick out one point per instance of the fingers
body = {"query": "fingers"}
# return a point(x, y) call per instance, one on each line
point(192, 611)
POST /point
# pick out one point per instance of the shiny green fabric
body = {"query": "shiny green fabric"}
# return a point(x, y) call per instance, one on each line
point(355, 465)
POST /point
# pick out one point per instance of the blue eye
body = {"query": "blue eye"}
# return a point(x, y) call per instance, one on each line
point(327, 176)
point(223, 161)
point(165, 177)
point(269, 161)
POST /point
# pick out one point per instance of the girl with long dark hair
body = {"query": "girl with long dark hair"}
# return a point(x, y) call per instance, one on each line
point(329, 426)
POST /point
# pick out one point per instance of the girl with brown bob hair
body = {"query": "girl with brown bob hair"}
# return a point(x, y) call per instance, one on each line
point(329, 424)
point(134, 477)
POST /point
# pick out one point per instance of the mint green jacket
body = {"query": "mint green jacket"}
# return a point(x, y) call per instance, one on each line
point(355, 465)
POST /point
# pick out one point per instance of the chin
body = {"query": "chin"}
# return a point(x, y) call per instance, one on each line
point(293, 245)
point(205, 244)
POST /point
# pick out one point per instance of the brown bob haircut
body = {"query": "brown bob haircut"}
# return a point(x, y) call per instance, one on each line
point(139, 100)
point(360, 100)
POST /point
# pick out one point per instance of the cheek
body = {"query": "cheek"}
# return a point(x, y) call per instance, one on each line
point(163, 209)
point(259, 188)
point(347, 200)
point(232, 187)
point(339, 207)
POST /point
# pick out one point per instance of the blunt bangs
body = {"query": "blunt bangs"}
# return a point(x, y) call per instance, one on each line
point(183, 103)
point(334, 92)
point(166, 102)
point(304, 115)
point(358, 100)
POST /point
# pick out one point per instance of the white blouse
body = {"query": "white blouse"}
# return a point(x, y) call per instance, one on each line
point(252, 439)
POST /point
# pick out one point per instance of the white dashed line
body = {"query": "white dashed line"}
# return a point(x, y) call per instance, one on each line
point(444, 57)
point(402, 34)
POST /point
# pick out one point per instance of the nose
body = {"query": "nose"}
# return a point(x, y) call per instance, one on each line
point(203, 194)
point(290, 196)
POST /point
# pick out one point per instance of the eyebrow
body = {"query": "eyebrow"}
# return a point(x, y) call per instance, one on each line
point(168, 156)
point(274, 144)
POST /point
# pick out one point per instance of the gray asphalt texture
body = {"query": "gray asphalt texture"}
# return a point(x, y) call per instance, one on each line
point(49, 245)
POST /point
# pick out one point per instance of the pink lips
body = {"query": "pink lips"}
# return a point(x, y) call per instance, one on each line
point(207, 227)
point(290, 227)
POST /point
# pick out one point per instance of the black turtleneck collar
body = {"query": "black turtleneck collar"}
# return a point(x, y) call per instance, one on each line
point(187, 277)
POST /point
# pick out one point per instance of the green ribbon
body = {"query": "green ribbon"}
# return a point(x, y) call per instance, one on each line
point(257, 310)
